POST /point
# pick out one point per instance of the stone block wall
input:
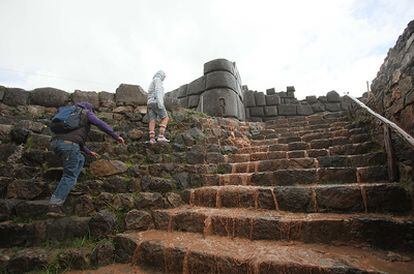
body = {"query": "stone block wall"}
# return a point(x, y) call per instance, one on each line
point(218, 92)
point(392, 91)
point(265, 107)
point(125, 95)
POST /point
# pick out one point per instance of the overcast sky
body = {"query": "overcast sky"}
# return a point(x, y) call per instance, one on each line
point(317, 46)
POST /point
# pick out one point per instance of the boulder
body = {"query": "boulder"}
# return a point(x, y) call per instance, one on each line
point(130, 95)
point(311, 99)
point(103, 254)
point(27, 260)
point(19, 135)
point(271, 111)
point(135, 134)
point(156, 184)
point(86, 96)
point(333, 97)
point(174, 199)
point(16, 97)
point(222, 79)
point(102, 168)
point(49, 97)
point(25, 189)
point(223, 102)
point(193, 101)
point(106, 99)
point(182, 91)
point(123, 201)
point(249, 98)
point(171, 103)
point(138, 220)
point(147, 200)
point(102, 223)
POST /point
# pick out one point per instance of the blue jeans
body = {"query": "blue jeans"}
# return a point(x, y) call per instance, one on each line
point(73, 161)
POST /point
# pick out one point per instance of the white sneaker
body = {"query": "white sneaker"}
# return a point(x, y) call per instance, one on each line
point(161, 138)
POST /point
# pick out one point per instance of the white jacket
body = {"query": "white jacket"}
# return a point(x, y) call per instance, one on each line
point(156, 90)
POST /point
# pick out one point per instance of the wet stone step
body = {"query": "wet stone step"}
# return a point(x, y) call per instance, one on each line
point(383, 231)
point(181, 252)
point(268, 165)
point(303, 176)
point(303, 123)
point(344, 149)
point(380, 198)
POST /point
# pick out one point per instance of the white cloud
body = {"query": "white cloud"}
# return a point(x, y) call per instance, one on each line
point(96, 45)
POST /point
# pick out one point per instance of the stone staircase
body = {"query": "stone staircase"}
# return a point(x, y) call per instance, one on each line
point(294, 195)
point(306, 195)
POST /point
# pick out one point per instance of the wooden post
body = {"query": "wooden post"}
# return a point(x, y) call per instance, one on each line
point(391, 159)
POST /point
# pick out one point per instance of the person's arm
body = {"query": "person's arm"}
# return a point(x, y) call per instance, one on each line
point(87, 151)
point(102, 125)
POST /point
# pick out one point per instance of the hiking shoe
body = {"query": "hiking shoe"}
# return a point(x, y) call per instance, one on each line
point(56, 201)
point(55, 211)
point(152, 141)
point(161, 138)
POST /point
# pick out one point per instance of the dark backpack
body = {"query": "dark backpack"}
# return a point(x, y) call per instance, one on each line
point(67, 118)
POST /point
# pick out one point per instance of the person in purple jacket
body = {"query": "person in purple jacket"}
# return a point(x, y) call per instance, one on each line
point(68, 147)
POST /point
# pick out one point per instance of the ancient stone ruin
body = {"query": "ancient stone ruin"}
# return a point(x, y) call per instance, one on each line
point(220, 93)
point(251, 183)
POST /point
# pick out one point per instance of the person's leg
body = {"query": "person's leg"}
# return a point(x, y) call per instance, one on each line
point(73, 162)
point(152, 131)
point(163, 125)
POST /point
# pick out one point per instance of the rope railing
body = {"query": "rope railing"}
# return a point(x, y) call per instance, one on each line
point(388, 126)
point(407, 137)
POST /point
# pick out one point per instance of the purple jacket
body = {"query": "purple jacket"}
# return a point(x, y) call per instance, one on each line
point(97, 122)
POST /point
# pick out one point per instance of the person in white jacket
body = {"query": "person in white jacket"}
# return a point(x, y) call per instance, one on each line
point(156, 108)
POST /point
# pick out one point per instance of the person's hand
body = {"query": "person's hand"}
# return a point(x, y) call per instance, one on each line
point(93, 154)
point(120, 140)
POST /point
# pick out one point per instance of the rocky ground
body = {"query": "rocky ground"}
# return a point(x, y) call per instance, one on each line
point(303, 194)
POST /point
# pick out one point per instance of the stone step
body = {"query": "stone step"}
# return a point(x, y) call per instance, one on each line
point(37, 232)
point(379, 198)
point(322, 158)
point(306, 122)
point(315, 147)
point(295, 161)
point(282, 138)
point(303, 176)
point(53, 260)
point(114, 269)
point(263, 134)
point(313, 117)
point(185, 252)
point(383, 231)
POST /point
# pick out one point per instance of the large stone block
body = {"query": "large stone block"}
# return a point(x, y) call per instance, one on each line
point(49, 97)
point(333, 96)
point(222, 102)
point(86, 96)
point(287, 110)
point(183, 102)
point(272, 100)
point(249, 98)
point(304, 109)
point(193, 101)
point(271, 110)
point(221, 79)
point(197, 86)
point(218, 65)
point(260, 99)
point(16, 97)
point(182, 91)
point(130, 95)
point(257, 111)
point(311, 99)
point(333, 107)
point(318, 107)
point(270, 91)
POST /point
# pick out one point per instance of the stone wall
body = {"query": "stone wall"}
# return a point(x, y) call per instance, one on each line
point(131, 95)
point(218, 92)
point(392, 91)
point(269, 106)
